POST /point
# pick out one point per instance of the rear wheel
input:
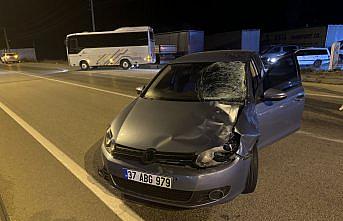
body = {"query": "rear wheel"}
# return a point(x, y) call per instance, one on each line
point(84, 65)
point(125, 64)
point(317, 63)
point(251, 182)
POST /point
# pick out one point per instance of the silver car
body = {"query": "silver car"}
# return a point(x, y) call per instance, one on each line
point(191, 138)
point(10, 58)
point(274, 52)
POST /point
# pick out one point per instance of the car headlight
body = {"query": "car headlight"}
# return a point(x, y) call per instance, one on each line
point(109, 141)
point(221, 154)
point(272, 60)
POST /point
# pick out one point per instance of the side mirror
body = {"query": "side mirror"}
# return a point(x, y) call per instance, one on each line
point(140, 89)
point(274, 95)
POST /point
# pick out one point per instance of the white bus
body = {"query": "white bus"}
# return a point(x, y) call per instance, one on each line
point(125, 47)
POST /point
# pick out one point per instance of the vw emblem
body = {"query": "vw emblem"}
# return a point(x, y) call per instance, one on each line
point(149, 155)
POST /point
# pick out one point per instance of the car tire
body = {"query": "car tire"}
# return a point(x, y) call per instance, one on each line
point(84, 65)
point(317, 64)
point(125, 64)
point(251, 182)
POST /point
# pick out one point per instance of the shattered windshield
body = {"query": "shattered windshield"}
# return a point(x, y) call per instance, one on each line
point(210, 81)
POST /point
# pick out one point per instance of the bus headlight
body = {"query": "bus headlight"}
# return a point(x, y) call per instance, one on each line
point(148, 58)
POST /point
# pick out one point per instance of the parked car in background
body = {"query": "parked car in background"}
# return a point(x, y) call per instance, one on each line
point(318, 58)
point(191, 138)
point(9, 57)
point(274, 52)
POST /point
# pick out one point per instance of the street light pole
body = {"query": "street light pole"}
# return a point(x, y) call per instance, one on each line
point(6, 39)
point(93, 17)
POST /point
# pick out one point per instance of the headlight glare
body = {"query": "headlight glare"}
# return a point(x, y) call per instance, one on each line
point(272, 60)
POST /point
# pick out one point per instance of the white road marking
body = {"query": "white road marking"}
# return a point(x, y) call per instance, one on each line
point(319, 136)
point(115, 204)
point(78, 85)
point(324, 95)
point(107, 75)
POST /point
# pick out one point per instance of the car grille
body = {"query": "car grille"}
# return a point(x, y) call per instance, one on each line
point(179, 159)
point(152, 191)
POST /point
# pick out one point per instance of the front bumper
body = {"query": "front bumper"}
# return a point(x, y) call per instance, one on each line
point(191, 187)
point(11, 60)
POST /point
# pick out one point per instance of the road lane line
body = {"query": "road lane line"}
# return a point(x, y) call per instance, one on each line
point(112, 202)
point(319, 137)
point(78, 85)
point(108, 75)
point(324, 95)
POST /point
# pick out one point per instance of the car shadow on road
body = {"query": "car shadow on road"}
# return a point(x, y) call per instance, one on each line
point(145, 209)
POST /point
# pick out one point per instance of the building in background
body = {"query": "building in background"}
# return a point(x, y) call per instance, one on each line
point(323, 36)
point(248, 39)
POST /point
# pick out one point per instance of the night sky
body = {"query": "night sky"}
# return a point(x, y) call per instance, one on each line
point(44, 23)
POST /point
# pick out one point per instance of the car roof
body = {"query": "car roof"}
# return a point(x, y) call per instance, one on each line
point(216, 56)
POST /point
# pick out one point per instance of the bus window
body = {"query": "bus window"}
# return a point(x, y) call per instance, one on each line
point(73, 46)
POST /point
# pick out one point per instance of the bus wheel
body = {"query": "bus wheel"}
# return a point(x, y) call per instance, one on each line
point(125, 64)
point(84, 65)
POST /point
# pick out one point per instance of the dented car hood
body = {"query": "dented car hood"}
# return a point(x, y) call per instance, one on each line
point(174, 126)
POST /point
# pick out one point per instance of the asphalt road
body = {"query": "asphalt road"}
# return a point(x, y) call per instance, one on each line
point(301, 176)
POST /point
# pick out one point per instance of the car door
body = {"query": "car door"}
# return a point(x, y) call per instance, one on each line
point(278, 119)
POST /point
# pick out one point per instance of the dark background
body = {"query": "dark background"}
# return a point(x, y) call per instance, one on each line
point(45, 23)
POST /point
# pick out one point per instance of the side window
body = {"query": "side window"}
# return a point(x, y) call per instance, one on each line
point(73, 47)
point(282, 75)
point(320, 52)
point(302, 53)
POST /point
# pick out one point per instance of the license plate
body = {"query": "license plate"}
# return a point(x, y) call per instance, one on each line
point(147, 178)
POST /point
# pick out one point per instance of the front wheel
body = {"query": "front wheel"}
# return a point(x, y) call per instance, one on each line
point(84, 65)
point(251, 182)
point(125, 64)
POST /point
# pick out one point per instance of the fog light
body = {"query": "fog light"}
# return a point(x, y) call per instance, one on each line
point(216, 195)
